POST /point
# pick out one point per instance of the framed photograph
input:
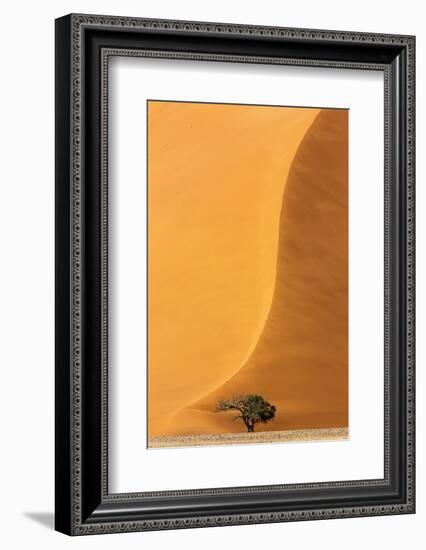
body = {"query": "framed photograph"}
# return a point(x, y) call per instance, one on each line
point(234, 274)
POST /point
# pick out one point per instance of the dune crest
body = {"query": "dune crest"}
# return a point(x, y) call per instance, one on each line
point(300, 362)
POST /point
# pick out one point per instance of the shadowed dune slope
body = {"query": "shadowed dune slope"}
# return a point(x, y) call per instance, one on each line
point(300, 362)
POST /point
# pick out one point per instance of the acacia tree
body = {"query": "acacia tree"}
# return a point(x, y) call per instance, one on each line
point(251, 409)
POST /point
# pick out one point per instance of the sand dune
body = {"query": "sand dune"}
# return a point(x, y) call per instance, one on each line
point(216, 178)
point(300, 361)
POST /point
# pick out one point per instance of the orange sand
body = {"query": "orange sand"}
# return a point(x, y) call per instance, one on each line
point(247, 260)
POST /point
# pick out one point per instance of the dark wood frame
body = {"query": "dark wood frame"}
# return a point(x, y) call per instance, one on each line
point(83, 46)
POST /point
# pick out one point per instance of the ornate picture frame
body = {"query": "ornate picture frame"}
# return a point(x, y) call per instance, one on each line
point(84, 45)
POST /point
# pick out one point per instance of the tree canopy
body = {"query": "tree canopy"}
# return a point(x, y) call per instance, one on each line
point(252, 409)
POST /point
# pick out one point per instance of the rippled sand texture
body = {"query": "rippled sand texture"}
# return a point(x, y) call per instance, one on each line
point(247, 265)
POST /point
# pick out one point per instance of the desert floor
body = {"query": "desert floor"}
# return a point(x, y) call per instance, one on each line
point(288, 436)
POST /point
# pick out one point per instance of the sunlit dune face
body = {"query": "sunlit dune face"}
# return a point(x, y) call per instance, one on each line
point(230, 283)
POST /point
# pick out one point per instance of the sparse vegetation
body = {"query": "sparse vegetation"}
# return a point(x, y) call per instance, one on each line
point(252, 409)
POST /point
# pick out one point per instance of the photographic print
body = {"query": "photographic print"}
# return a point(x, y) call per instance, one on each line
point(247, 273)
point(235, 273)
